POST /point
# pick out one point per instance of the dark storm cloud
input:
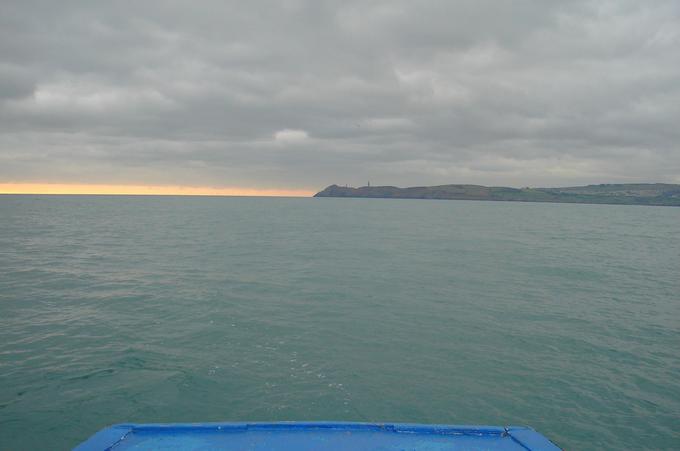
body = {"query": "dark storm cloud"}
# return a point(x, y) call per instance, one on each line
point(303, 94)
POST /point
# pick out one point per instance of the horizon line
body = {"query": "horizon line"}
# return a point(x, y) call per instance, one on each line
point(146, 190)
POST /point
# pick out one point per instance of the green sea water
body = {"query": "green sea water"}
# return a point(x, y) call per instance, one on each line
point(562, 317)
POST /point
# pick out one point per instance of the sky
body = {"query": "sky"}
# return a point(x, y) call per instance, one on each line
point(291, 96)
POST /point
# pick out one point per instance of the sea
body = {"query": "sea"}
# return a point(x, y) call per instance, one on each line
point(562, 317)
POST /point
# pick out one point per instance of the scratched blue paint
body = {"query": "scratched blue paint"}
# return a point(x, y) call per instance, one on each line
point(314, 436)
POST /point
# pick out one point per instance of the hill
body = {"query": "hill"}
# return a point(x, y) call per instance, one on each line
point(623, 194)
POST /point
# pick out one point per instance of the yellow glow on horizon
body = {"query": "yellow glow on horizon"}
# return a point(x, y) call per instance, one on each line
point(163, 190)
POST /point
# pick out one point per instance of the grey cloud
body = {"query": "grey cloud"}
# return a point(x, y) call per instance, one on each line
point(302, 94)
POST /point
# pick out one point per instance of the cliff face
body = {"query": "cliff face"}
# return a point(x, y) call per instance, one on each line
point(626, 194)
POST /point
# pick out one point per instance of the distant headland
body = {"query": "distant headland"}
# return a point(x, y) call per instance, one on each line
point(663, 194)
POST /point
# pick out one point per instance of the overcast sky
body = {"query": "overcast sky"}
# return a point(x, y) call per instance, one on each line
point(296, 94)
